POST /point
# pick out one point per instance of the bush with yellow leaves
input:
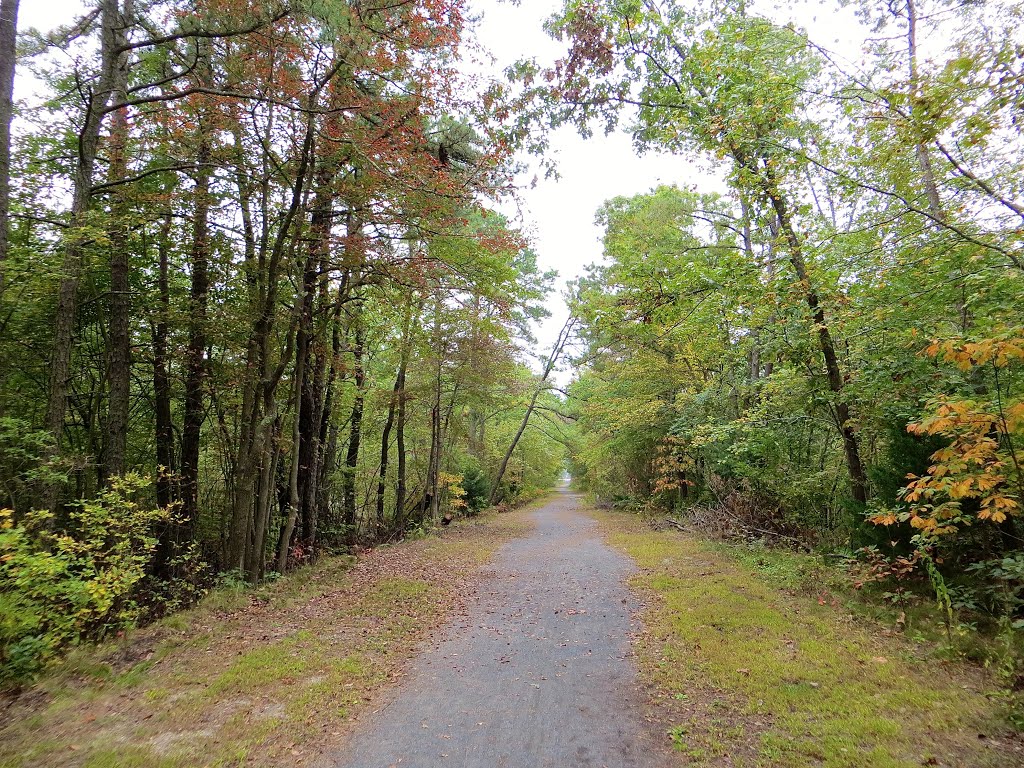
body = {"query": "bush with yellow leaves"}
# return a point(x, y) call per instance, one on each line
point(982, 465)
point(60, 587)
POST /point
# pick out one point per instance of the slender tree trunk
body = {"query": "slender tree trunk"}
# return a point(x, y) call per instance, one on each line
point(293, 477)
point(306, 429)
point(262, 377)
point(244, 469)
point(314, 396)
point(316, 293)
point(563, 338)
point(923, 156)
point(355, 429)
point(748, 250)
point(920, 148)
point(161, 376)
point(385, 445)
point(195, 354)
point(112, 36)
point(396, 394)
point(328, 423)
point(434, 464)
point(166, 474)
point(8, 61)
point(256, 560)
point(119, 335)
point(851, 448)
point(401, 469)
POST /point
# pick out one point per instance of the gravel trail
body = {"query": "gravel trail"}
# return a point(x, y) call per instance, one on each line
point(537, 673)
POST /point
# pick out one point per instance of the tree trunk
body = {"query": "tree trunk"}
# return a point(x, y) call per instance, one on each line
point(385, 444)
point(851, 449)
point(119, 335)
point(396, 394)
point(256, 559)
point(166, 473)
point(262, 378)
point(355, 429)
point(430, 505)
point(315, 293)
point(920, 149)
point(293, 477)
point(556, 352)
point(166, 468)
point(112, 38)
point(8, 62)
point(195, 363)
point(306, 428)
point(328, 423)
point(401, 469)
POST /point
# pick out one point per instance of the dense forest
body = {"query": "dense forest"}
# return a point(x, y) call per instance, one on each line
point(259, 301)
point(257, 304)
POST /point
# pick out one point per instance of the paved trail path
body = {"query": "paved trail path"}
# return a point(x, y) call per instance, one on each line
point(536, 674)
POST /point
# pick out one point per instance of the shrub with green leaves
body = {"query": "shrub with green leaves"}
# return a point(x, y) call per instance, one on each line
point(60, 587)
point(26, 462)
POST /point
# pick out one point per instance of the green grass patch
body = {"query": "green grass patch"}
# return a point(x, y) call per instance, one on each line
point(261, 667)
point(765, 670)
point(135, 675)
point(393, 595)
point(130, 757)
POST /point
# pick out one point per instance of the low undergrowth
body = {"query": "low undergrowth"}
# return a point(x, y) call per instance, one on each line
point(267, 676)
point(759, 659)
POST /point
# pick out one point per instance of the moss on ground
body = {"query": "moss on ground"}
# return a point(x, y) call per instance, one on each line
point(270, 676)
point(753, 668)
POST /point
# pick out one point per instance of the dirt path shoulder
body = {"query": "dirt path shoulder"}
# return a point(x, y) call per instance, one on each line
point(754, 665)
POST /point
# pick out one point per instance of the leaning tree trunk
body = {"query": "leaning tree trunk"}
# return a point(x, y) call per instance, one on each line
point(560, 344)
point(833, 373)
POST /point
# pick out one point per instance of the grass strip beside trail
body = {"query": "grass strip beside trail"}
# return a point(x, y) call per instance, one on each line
point(267, 677)
point(747, 673)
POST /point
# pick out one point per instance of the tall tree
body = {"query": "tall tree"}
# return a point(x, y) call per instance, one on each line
point(8, 62)
point(194, 412)
point(119, 358)
point(113, 53)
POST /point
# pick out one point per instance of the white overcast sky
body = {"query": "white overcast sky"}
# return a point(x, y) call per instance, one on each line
point(559, 214)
